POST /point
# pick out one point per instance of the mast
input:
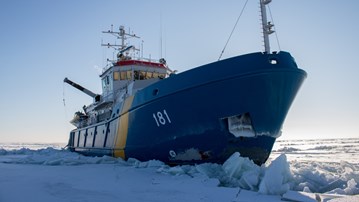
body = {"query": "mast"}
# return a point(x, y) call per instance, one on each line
point(121, 34)
point(267, 26)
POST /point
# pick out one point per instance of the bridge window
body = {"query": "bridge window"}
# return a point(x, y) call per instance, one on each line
point(116, 76)
point(123, 75)
point(142, 75)
point(161, 76)
point(148, 75)
point(107, 83)
point(129, 75)
point(137, 75)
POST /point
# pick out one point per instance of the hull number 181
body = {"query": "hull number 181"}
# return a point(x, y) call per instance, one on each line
point(161, 118)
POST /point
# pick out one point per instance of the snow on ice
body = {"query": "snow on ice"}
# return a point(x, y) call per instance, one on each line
point(296, 171)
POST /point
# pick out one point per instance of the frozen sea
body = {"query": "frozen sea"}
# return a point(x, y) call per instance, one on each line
point(297, 170)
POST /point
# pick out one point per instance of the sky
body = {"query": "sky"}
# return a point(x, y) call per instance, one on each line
point(42, 42)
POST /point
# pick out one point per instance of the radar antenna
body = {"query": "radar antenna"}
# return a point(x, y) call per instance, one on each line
point(121, 34)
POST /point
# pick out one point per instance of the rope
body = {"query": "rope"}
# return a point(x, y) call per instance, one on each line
point(63, 94)
point(235, 25)
point(276, 36)
point(65, 108)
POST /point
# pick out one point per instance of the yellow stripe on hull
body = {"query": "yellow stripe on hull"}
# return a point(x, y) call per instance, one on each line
point(122, 130)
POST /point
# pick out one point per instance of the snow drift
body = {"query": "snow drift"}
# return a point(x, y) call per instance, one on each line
point(298, 170)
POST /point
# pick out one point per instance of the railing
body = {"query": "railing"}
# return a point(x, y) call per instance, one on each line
point(112, 62)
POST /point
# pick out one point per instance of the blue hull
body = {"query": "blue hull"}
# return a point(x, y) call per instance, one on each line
point(184, 118)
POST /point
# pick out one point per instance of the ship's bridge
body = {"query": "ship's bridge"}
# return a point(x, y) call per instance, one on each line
point(128, 73)
point(124, 72)
point(139, 70)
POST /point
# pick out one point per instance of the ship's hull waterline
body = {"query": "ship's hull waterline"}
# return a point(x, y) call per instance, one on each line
point(185, 118)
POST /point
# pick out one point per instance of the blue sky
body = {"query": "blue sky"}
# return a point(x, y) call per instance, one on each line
point(42, 41)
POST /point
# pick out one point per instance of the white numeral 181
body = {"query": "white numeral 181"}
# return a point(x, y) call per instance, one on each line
point(161, 118)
